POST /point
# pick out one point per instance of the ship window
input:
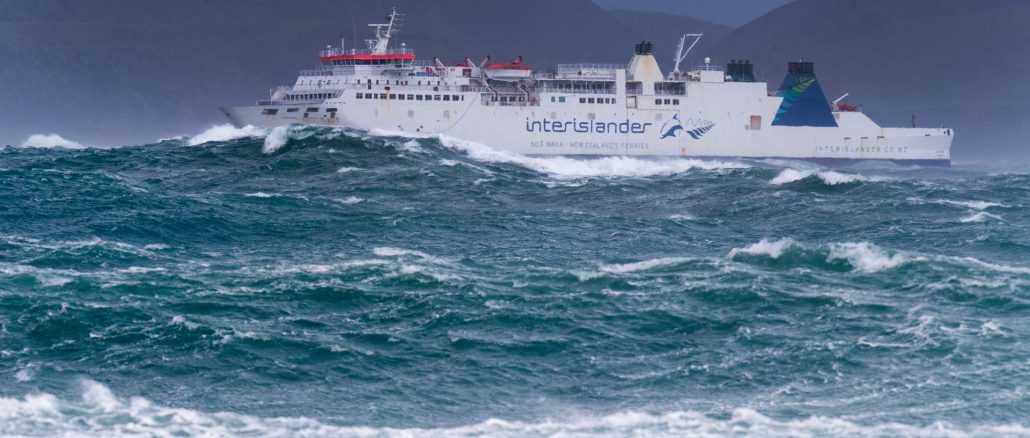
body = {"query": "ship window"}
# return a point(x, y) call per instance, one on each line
point(552, 99)
point(590, 100)
point(657, 101)
point(561, 99)
point(411, 97)
point(330, 110)
point(756, 123)
point(312, 110)
point(400, 97)
point(582, 100)
point(447, 97)
point(368, 95)
point(270, 111)
point(675, 101)
point(668, 101)
point(418, 97)
point(360, 96)
point(292, 110)
point(436, 97)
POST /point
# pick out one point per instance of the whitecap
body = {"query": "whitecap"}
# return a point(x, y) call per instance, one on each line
point(276, 140)
point(643, 265)
point(226, 132)
point(350, 200)
point(347, 169)
point(564, 167)
point(766, 247)
point(828, 177)
point(866, 257)
point(259, 195)
point(51, 141)
point(979, 217)
point(974, 205)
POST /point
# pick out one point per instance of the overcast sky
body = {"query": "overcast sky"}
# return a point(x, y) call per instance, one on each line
point(729, 12)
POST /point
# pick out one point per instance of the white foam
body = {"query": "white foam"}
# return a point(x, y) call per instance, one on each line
point(51, 141)
point(259, 195)
point(276, 140)
point(101, 413)
point(387, 251)
point(766, 247)
point(828, 177)
point(226, 132)
point(24, 375)
point(974, 205)
point(643, 266)
point(979, 217)
point(564, 167)
point(867, 257)
point(350, 200)
point(347, 169)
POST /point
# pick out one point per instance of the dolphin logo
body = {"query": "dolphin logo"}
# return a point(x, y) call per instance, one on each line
point(671, 127)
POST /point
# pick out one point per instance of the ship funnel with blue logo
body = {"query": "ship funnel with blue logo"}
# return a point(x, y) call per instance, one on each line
point(804, 103)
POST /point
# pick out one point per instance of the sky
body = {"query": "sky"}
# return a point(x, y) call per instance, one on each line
point(729, 12)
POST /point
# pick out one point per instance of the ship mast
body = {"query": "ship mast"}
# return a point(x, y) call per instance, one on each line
point(384, 31)
point(681, 54)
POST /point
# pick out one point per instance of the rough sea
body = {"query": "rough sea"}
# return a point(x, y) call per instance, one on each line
point(320, 282)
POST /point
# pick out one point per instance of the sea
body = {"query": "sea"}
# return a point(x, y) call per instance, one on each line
point(309, 282)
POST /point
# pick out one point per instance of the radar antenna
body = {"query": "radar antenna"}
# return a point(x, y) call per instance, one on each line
point(681, 54)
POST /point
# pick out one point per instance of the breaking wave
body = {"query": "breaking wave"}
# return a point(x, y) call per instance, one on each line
point(51, 141)
point(828, 177)
point(226, 132)
point(99, 412)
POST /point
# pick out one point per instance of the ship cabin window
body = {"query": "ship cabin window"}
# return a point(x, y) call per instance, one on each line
point(360, 96)
point(590, 100)
point(418, 97)
point(455, 98)
point(292, 110)
point(582, 100)
point(668, 101)
point(447, 97)
point(436, 97)
point(429, 97)
point(270, 112)
point(400, 97)
point(552, 99)
point(756, 123)
point(330, 110)
point(368, 95)
point(657, 101)
point(312, 110)
point(411, 97)
point(561, 99)
point(675, 101)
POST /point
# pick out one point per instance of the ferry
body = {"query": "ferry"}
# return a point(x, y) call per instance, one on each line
point(709, 111)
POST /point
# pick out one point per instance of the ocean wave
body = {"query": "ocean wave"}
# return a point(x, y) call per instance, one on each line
point(99, 412)
point(828, 177)
point(979, 217)
point(226, 132)
point(276, 139)
point(972, 205)
point(861, 256)
point(51, 141)
point(571, 168)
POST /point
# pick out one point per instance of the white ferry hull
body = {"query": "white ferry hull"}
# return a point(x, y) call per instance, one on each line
point(522, 130)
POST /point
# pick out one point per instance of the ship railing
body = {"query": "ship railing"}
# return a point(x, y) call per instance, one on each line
point(336, 51)
point(563, 68)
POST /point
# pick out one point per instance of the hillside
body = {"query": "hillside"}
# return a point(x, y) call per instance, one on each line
point(951, 62)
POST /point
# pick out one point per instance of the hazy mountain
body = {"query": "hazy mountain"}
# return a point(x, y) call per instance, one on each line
point(953, 62)
point(733, 13)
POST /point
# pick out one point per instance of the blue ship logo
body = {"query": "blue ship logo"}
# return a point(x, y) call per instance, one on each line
point(675, 125)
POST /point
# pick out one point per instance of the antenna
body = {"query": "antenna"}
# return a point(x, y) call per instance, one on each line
point(681, 54)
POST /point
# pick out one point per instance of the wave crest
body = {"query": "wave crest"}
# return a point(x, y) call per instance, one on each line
point(226, 132)
point(51, 141)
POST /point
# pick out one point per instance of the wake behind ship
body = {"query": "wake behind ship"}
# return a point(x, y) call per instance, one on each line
point(590, 109)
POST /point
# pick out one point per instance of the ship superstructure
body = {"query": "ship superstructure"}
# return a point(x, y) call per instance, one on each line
point(589, 109)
